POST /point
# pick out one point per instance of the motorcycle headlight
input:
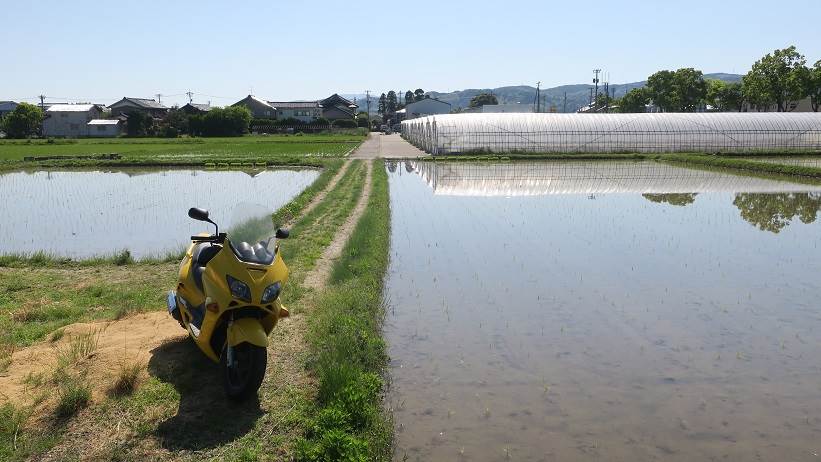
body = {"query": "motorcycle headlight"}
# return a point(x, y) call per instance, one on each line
point(239, 289)
point(271, 292)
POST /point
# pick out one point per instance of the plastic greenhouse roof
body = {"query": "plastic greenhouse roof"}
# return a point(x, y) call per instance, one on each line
point(647, 132)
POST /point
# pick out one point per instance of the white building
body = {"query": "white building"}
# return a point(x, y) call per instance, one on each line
point(516, 108)
point(70, 120)
point(107, 128)
point(426, 107)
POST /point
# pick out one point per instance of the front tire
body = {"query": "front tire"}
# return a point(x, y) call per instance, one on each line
point(245, 377)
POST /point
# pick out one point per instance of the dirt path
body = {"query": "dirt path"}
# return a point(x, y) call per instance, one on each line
point(317, 278)
point(321, 195)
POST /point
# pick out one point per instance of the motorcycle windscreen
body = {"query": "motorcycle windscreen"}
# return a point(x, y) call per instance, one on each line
point(252, 236)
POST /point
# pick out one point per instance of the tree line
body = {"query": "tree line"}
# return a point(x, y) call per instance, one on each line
point(777, 80)
point(26, 121)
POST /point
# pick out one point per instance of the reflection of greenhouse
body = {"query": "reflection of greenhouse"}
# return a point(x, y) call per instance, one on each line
point(541, 178)
point(665, 132)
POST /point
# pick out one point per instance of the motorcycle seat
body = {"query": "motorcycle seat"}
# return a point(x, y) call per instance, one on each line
point(202, 254)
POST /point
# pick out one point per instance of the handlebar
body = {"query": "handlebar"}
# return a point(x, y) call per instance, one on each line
point(218, 239)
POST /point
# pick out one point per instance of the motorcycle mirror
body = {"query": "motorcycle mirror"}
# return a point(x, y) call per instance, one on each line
point(198, 214)
point(282, 233)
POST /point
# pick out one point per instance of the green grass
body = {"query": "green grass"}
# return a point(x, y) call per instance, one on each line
point(347, 350)
point(201, 149)
point(743, 164)
point(37, 301)
point(293, 208)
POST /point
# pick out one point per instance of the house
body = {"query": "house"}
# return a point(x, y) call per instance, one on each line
point(304, 111)
point(70, 120)
point(336, 107)
point(144, 105)
point(426, 107)
point(195, 108)
point(104, 128)
point(259, 109)
point(6, 107)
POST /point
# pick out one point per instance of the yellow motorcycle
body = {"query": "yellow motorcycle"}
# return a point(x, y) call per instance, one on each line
point(227, 298)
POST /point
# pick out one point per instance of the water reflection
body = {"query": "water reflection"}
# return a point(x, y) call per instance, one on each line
point(88, 213)
point(541, 325)
point(773, 212)
point(543, 178)
point(680, 199)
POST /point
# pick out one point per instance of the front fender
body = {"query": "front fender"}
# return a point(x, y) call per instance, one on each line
point(248, 330)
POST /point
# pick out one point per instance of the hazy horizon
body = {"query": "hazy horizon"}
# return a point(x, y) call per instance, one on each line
point(100, 52)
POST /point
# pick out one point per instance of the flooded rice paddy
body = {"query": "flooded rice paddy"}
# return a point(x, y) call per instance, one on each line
point(603, 311)
point(82, 214)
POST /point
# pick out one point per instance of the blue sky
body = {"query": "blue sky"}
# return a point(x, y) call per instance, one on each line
point(101, 51)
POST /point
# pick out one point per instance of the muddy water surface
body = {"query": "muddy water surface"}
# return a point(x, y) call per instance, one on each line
point(610, 311)
point(82, 214)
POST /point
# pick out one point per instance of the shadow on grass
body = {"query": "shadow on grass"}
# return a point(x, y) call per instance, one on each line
point(205, 418)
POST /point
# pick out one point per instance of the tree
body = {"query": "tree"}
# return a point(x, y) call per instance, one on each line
point(482, 99)
point(681, 91)
point(229, 121)
point(139, 124)
point(24, 121)
point(391, 102)
point(661, 89)
point(777, 78)
point(409, 98)
point(383, 104)
point(633, 101)
point(724, 96)
point(418, 94)
point(814, 85)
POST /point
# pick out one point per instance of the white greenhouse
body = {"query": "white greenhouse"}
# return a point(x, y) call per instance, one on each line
point(609, 133)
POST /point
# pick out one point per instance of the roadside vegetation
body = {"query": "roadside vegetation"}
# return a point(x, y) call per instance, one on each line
point(347, 352)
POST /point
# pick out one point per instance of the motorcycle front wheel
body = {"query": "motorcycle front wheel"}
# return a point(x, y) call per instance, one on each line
point(244, 377)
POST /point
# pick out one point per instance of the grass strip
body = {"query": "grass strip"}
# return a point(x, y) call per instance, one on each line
point(293, 208)
point(347, 352)
point(743, 164)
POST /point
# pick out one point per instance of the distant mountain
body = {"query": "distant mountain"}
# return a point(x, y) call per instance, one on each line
point(578, 95)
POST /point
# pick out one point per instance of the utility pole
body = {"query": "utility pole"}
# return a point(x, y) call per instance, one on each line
point(596, 82)
point(190, 96)
point(42, 102)
point(368, 103)
point(538, 97)
point(564, 108)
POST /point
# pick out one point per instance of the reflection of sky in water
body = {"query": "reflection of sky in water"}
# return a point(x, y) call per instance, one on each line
point(636, 325)
point(82, 214)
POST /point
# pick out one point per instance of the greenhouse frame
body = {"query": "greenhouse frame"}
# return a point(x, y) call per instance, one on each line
point(613, 133)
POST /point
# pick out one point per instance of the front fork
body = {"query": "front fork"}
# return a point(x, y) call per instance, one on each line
point(229, 350)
